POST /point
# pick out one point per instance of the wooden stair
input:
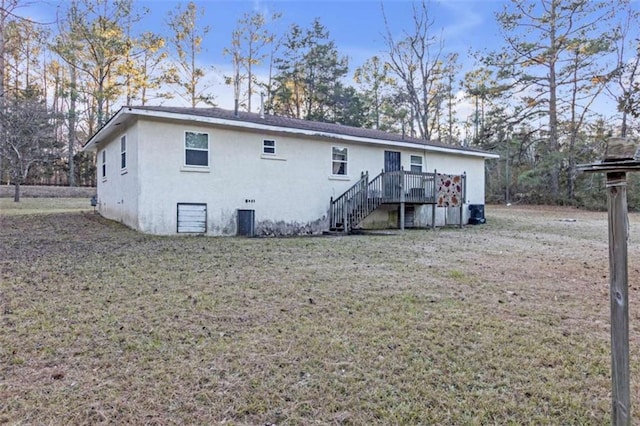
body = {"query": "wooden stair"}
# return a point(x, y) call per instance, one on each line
point(365, 196)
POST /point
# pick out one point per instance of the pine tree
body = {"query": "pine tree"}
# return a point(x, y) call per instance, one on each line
point(185, 44)
point(549, 61)
point(308, 74)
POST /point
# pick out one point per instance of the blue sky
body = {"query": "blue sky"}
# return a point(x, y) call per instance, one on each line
point(357, 26)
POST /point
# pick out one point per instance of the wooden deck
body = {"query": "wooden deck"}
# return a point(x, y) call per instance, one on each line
point(397, 187)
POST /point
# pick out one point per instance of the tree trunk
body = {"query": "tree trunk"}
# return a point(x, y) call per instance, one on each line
point(16, 193)
point(249, 77)
point(4, 12)
point(72, 126)
point(553, 107)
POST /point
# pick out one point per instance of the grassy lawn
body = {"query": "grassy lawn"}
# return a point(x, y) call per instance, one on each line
point(43, 205)
point(504, 323)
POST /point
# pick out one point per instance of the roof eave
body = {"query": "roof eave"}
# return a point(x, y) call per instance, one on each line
point(106, 129)
point(291, 130)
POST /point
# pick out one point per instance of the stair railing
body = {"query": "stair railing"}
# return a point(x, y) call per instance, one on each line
point(342, 208)
point(365, 196)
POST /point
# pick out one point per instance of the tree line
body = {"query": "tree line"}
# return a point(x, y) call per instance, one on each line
point(536, 99)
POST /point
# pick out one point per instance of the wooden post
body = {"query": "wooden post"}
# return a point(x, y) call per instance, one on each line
point(331, 223)
point(435, 199)
point(366, 191)
point(622, 156)
point(463, 187)
point(618, 289)
point(402, 199)
point(345, 215)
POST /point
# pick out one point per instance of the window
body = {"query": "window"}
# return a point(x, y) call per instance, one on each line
point(339, 161)
point(123, 152)
point(104, 164)
point(192, 217)
point(416, 163)
point(269, 147)
point(196, 149)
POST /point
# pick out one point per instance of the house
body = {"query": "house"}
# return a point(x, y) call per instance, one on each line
point(166, 170)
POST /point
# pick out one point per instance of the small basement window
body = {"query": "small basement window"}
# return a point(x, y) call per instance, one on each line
point(269, 147)
point(339, 159)
point(416, 163)
point(196, 147)
point(192, 218)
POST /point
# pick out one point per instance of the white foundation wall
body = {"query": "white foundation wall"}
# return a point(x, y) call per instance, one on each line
point(118, 191)
point(387, 216)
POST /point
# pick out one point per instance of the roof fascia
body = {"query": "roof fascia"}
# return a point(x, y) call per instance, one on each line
point(105, 130)
point(280, 129)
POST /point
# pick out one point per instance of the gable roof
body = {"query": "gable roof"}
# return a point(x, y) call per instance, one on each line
point(274, 123)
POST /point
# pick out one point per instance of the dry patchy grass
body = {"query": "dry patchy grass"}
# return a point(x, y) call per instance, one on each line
point(39, 191)
point(505, 323)
point(43, 205)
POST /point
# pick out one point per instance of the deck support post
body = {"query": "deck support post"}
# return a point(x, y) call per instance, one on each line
point(435, 199)
point(618, 294)
point(402, 199)
point(331, 207)
point(464, 195)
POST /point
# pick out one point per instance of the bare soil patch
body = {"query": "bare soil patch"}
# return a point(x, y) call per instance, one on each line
point(503, 323)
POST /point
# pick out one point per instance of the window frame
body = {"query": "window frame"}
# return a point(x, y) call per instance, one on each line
point(334, 161)
point(266, 147)
point(123, 152)
point(413, 164)
point(104, 164)
point(185, 149)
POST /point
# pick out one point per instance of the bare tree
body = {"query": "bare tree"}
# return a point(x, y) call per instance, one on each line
point(6, 11)
point(416, 61)
point(186, 45)
point(626, 87)
point(28, 136)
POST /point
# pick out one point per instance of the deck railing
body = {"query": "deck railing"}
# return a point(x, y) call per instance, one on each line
point(365, 196)
point(404, 187)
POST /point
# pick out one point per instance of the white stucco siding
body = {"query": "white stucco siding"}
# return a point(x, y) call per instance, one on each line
point(118, 189)
point(295, 187)
point(290, 188)
point(289, 191)
point(162, 183)
point(455, 165)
